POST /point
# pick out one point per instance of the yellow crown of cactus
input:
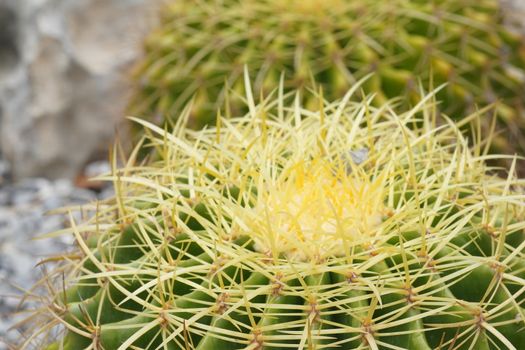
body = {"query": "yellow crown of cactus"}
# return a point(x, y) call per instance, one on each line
point(346, 226)
point(200, 45)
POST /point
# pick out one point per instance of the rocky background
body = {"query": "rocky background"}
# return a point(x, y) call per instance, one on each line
point(64, 68)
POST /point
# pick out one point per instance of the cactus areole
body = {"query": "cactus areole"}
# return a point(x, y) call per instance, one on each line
point(267, 232)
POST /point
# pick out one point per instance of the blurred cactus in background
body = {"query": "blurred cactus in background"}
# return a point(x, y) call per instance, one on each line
point(408, 44)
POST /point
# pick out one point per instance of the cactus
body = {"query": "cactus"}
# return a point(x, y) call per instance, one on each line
point(344, 226)
point(408, 44)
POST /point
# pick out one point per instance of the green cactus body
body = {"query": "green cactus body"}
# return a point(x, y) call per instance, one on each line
point(408, 44)
point(267, 233)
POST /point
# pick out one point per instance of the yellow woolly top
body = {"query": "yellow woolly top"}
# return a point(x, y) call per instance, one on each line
point(315, 208)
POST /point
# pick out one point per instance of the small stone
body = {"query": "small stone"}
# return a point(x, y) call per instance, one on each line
point(359, 156)
point(97, 168)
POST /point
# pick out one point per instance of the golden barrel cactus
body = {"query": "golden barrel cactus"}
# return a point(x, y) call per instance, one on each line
point(344, 226)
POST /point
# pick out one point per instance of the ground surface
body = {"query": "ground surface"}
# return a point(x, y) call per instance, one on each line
point(24, 215)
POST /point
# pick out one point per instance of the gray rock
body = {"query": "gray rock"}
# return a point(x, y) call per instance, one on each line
point(63, 79)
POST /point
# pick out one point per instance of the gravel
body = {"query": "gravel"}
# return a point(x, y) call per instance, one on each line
point(24, 208)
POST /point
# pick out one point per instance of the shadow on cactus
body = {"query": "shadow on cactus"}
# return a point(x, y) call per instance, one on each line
point(337, 227)
point(202, 44)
